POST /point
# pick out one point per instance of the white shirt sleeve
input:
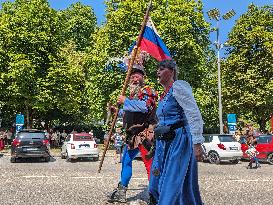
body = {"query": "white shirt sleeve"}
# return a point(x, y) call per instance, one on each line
point(182, 92)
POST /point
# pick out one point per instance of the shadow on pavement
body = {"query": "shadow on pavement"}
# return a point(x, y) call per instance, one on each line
point(34, 160)
point(142, 196)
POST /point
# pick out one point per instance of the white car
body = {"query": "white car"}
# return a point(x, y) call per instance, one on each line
point(79, 145)
point(219, 147)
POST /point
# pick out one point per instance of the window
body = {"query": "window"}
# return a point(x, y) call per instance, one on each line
point(226, 138)
point(31, 135)
point(82, 138)
point(264, 139)
point(207, 138)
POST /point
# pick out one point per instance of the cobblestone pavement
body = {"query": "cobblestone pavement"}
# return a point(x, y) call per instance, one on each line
point(60, 182)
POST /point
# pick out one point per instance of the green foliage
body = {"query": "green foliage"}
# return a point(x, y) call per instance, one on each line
point(79, 22)
point(248, 70)
point(43, 74)
point(53, 63)
point(182, 27)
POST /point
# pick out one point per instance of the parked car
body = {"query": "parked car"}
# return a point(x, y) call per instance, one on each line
point(264, 147)
point(79, 145)
point(30, 143)
point(219, 147)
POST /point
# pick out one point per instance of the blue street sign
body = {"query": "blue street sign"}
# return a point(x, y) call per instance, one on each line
point(231, 118)
point(19, 127)
point(232, 128)
point(20, 119)
point(231, 121)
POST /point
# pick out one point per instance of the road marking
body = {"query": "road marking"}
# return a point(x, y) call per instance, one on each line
point(240, 180)
point(88, 177)
point(83, 177)
point(40, 176)
point(140, 178)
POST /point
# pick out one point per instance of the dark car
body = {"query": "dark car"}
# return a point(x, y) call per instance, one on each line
point(29, 144)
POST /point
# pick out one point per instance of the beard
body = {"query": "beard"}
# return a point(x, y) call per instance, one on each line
point(134, 89)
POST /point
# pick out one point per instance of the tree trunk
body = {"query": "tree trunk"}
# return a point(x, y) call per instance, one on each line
point(262, 124)
point(27, 116)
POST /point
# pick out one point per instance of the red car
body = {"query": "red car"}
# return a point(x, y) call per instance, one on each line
point(264, 147)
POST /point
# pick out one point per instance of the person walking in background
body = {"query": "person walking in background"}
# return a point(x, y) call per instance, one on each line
point(63, 136)
point(5, 138)
point(237, 136)
point(2, 143)
point(252, 154)
point(54, 138)
point(118, 143)
point(9, 136)
point(174, 175)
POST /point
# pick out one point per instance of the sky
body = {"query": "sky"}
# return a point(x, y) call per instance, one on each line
point(240, 7)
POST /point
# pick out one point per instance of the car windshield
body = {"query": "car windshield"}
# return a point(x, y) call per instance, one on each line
point(82, 138)
point(31, 135)
point(226, 138)
point(264, 139)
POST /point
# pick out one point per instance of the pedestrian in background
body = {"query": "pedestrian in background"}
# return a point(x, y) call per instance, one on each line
point(252, 154)
point(2, 143)
point(237, 136)
point(9, 136)
point(118, 144)
point(63, 136)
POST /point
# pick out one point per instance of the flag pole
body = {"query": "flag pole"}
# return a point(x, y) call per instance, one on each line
point(126, 81)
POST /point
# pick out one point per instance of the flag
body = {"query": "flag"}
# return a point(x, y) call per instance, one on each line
point(153, 44)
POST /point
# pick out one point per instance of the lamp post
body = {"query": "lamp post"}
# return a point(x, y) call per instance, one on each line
point(215, 15)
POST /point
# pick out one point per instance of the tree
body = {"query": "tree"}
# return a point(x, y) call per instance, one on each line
point(182, 27)
point(79, 22)
point(28, 41)
point(248, 70)
point(43, 74)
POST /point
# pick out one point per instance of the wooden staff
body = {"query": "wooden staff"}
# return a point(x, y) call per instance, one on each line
point(126, 81)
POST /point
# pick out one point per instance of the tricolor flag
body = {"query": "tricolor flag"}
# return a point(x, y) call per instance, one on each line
point(153, 44)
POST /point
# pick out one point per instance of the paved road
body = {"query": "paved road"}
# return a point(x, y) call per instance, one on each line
point(59, 182)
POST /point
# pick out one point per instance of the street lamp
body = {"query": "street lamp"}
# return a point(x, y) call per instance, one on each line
point(214, 14)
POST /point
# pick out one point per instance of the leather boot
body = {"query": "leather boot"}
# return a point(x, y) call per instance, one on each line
point(152, 200)
point(119, 194)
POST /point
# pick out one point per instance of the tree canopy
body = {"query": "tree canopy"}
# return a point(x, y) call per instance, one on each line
point(42, 69)
point(248, 69)
point(183, 29)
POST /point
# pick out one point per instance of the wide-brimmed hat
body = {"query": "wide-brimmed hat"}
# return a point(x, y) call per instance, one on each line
point(138, 69)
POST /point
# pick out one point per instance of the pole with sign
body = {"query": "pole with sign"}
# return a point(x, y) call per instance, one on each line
point(231, 118)
point(19, 122)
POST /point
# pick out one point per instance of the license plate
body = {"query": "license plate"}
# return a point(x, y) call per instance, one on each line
point(84, 145)
point(233, 148)
point(29, 149)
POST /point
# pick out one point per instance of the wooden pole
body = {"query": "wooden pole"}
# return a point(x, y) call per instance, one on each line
point(126, 81)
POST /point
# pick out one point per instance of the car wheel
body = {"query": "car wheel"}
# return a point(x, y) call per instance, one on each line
point(214, 158)
point(12, 159)
point(47, 159)
point(235, 161)
point(62, 156)
point(270, 158)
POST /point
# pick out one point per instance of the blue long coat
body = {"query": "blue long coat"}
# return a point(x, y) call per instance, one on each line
point(174, 176)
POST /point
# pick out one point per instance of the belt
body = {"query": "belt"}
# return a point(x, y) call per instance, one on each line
point(167, 132)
